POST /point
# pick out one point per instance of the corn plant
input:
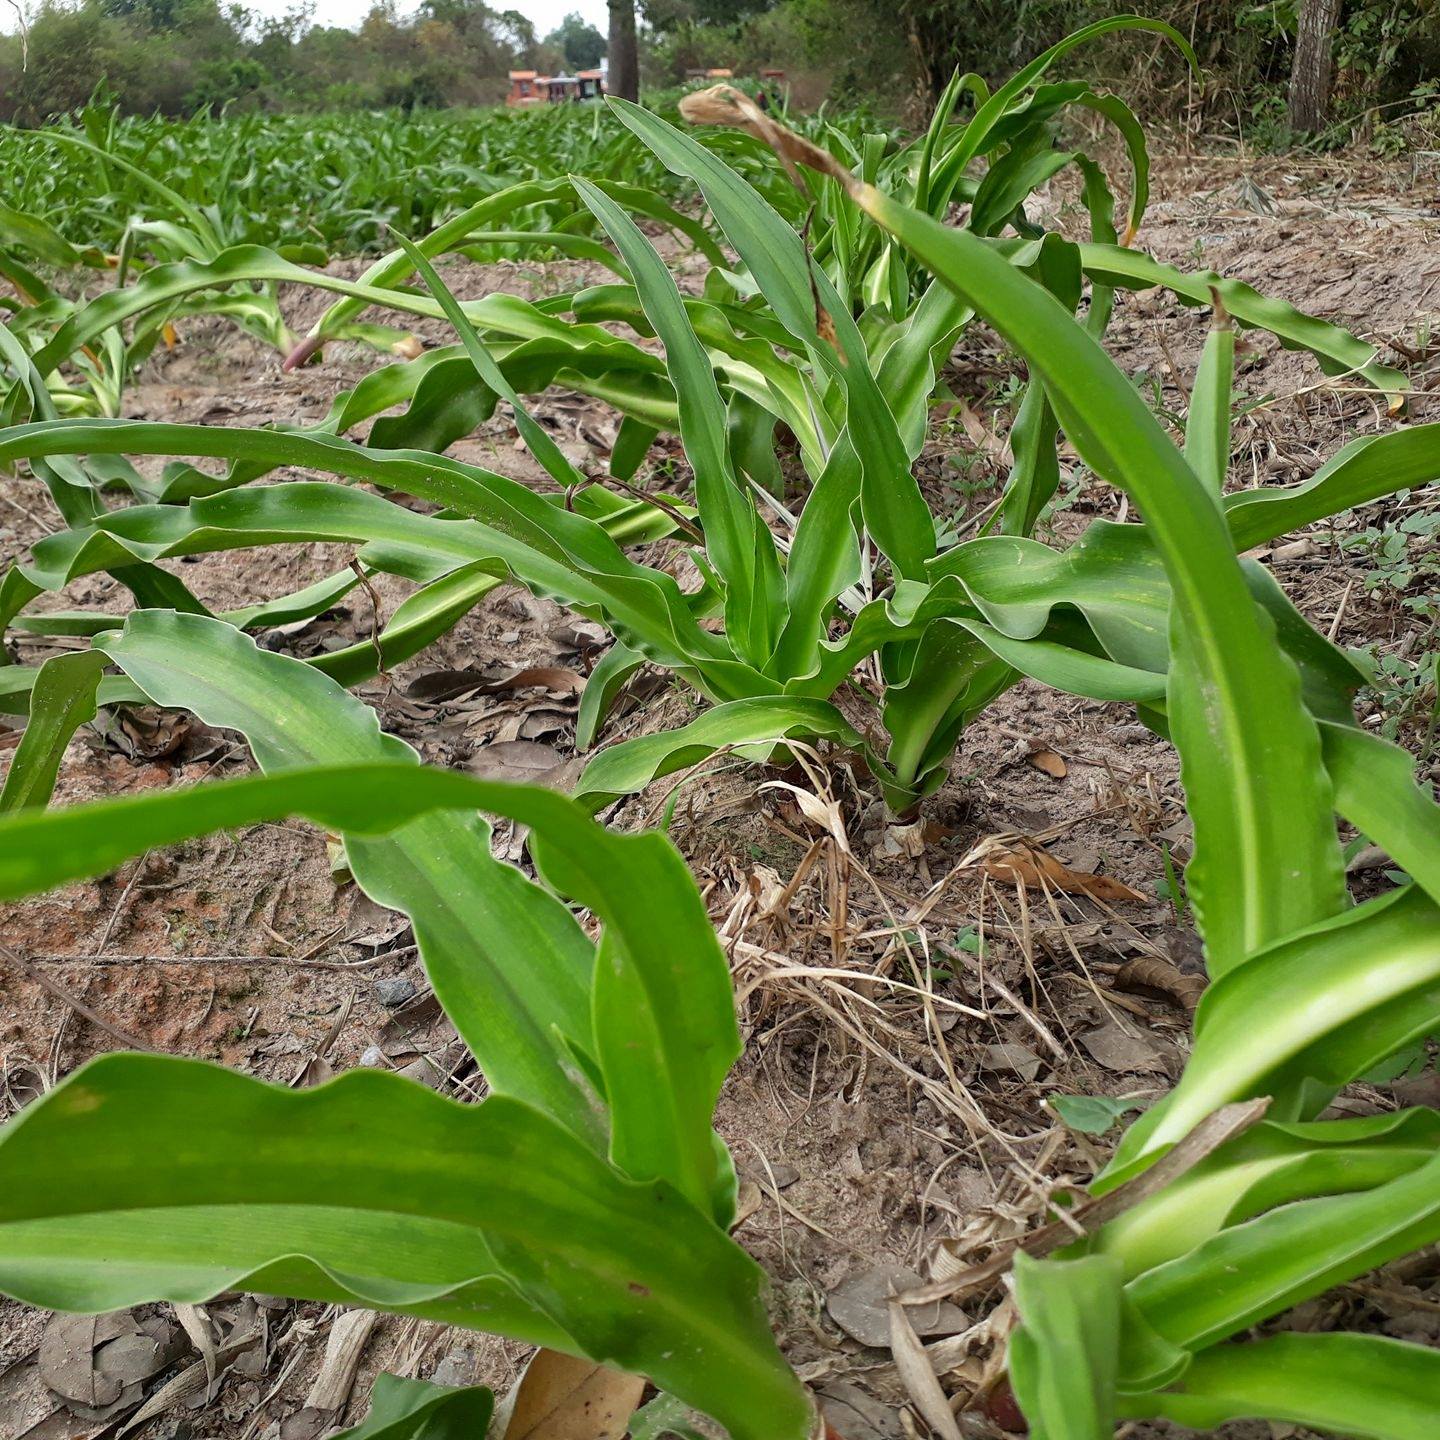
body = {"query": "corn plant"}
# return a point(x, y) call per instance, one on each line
point(1147, 1316)
point(229, 209)
point(106, 192)
point(203, 255)
point(863, 576)
point(200, 270)
point(333, 179)
point(582, 1205)
point(763, 350)
point(952, 634)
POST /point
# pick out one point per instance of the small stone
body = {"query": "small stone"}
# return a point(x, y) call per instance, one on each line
point(373, 1058)
point(392, 994)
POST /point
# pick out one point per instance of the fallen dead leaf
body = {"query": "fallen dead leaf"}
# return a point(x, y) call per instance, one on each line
point(1116, 1048)
point(1016, 1059)
point(527, 760)
point(1150, 975)
point(189, 1382)
point(196, 1325)
point(1049, 762)
point(918, 1375)
point(570, 634)
point(824, 814)
point(439, 685)
point(850, 1412)
point(747, 1201)
point(147, 733)
point(860, 1306)
point(95, 1363)
point(562, 1398)
point(1012, 857)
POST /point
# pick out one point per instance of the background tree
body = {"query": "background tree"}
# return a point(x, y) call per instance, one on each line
point(1310, 77)
point(624, 76)
point(582, 45)
point(1275, 68)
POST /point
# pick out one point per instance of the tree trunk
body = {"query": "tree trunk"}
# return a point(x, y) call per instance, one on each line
point(1310, 75)
point(624, 75)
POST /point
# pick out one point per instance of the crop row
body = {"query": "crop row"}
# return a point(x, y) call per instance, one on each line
point(584, 1205)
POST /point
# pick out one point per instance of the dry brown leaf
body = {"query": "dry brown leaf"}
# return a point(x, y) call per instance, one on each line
point(725, 105)
point(95, 1363)
point(562, 1398)
point(1149, 974)
point(1119, 1049)
point(1049, 762)
point(516, 760)
point(190, 1381)
point(436, 686)
point(196, 1325)
point(1016, 1059)
point(67, 1356)
point(1012, 857)
point(980, 435)
point(918, 1375)
point(850, 1412)
point(349, 1336)
point(859, 1306)
point(747, 1201)
point(147, 732)
point(824, 814)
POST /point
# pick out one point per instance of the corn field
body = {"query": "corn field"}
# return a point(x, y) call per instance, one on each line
point(770, 315)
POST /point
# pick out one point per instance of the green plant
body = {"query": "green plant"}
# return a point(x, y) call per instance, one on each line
point(1229, 1219)
point(581, 1206)
point(863, 575)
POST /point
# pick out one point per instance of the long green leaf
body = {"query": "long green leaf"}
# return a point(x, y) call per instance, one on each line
point(975, 137)
point(403, 1409)
point(1064, 1357)
point(1338, 998)
point(1252, 1271)
point(1207, 425)
point(1269, 1165)
point(62, 701)
point(1338, 351)
point(508, 963)
point(1266, 859)
point(895, 511)
point(1376, 792)
point(1362, 1385)
point(553, 550)
point(520, 1004)
point(737, 542)
point(1364, 470)
point(393, 268)
point(761, 722)
point(148, 1178)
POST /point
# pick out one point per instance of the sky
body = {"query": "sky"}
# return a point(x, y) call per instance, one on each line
point(546, 14)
